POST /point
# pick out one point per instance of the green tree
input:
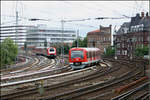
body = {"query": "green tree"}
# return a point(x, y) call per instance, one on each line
point(59, 48)
point(66, 49)
point(81, 43)
point(110, 52)
point(8, 51)
point(84, 42)
point(74, 44)
point(140, 51)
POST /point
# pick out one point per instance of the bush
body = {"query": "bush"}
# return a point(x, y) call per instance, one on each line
point(110, 52)
point(140, 51)
point(8, 52)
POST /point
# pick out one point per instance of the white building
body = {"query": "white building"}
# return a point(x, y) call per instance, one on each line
point(38, 35)
point(17, 34)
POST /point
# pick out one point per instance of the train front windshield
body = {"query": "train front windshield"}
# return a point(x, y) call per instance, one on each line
point(51, 50)
point(76, 54)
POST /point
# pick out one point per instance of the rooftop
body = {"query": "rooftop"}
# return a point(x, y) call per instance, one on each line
point(95, 31)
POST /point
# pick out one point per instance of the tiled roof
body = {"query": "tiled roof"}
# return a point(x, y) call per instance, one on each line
point(94, 31)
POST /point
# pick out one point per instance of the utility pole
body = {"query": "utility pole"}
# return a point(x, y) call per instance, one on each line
point(62, 49)
point(16, 40)
point(16, 27)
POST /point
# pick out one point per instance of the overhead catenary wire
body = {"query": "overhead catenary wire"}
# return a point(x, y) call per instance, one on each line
point(69, 20)
point(98, 18)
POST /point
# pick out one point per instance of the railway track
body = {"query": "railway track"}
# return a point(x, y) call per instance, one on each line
point(33, 78)
point(141, 93)
point(34, 90)
point(29, 61)
point(19, 73)
point(84, 93)
point(33, 61)
point(45, 69)
point(72, 83)
point(79, 87)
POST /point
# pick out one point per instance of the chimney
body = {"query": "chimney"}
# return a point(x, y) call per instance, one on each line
point(142, 14)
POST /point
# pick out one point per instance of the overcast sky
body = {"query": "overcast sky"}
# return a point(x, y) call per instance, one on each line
point(55, 11)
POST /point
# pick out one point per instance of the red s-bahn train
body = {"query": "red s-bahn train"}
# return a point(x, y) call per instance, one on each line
point(82, 57)
point(48, 52)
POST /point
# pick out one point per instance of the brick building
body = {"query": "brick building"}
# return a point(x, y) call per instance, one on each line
point(132, 34)
point(100, 38)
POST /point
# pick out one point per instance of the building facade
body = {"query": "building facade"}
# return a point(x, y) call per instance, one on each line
point(137, 34)
point(16, 33)
point(100, 38)
point(37, 36)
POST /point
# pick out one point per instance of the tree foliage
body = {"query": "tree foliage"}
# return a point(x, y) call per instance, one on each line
point(66, 48)
point(140, 51)
point(81, 43)
point(8, 52)
point(110, 52)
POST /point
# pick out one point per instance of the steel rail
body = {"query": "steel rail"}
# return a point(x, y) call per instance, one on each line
point(43, 78)
point(146, 97)
point(80, 89)
point(77, 92)
point(15, 67)
point(65, 83)
point(141, 96)
point(93, 88)
point(126, 94)
point(17, 76)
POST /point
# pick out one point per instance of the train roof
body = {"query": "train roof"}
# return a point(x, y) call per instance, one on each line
point(87, 49)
